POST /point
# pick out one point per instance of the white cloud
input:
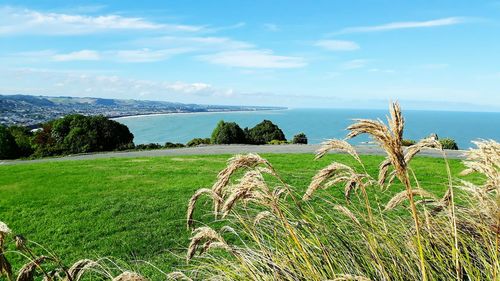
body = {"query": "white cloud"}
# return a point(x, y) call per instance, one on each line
point(50, 82)
point(253, 59)
point(337, 45)
point(18, 21)
point(202, 43)
point(145, 55)
point(403, 25)
point(355, 64)
point(79, 55)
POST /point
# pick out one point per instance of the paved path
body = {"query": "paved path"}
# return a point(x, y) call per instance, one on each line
point(225, 149)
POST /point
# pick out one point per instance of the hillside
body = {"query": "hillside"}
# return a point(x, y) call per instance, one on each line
point(30, 110)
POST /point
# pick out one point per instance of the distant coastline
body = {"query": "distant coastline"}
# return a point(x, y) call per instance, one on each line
point(192, 112)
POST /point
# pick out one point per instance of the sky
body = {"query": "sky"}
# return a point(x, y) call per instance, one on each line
point(429, 55)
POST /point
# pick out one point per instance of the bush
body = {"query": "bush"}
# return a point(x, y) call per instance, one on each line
point(8, 145)
point(79, 134)
point(148, 146)
point(300, 138)
point(22, 136)
point(173, 145)
point(198, 141)
point(408, 142)
point(448, 143)
point(227, 133)
point(265, 132)
point(277, 142)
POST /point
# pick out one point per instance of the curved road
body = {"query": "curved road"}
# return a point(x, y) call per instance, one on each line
point(227, 149)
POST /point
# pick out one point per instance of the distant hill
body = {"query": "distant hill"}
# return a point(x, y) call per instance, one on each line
point(31, 110)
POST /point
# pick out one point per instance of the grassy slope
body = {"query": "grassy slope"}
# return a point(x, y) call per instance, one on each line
point(135, 208)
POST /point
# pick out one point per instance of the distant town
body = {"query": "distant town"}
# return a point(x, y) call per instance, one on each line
point(31, 111)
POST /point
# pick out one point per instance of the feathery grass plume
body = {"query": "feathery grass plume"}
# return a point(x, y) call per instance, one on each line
point(207, 236)
point(335, 144)
point(347, 212)
point(79, 268)
point(412, 150)
point(177, 275)
point(27, 272)
point(250, 187)
point(331, 172)
point(260, 216)
point(389, 139)
point(192, 202)
point(485, 159)
point(403, 195)
point(5, 267)
point(4, 229)
point(234, 164)
point(383, 170)
point(129, 276)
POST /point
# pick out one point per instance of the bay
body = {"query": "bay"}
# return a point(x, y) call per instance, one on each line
point(317, 124)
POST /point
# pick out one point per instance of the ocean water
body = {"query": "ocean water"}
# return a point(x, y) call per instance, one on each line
point(317, 124)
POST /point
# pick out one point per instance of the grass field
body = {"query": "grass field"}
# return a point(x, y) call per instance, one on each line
point(134, 208)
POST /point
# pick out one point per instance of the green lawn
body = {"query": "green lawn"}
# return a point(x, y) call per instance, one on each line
point(134, 208)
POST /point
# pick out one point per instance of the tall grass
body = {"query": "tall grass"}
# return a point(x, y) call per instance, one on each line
point(277, 237)
point(265, 229)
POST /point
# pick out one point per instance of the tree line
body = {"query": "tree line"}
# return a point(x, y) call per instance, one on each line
point(77, 133)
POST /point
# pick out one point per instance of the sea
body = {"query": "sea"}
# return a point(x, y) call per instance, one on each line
point(318, 124)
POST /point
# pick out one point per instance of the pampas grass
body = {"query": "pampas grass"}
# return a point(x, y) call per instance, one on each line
point(323, 239)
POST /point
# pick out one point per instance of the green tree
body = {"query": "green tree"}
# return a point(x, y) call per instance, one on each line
point(265, 132)
point(8, 146)
point(22, 135)
point(300, 138)
point(227, 133)
point(448, 143)
point(198, 141)
point(79, 134)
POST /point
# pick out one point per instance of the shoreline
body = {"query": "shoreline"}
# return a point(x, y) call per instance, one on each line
point(192, 112)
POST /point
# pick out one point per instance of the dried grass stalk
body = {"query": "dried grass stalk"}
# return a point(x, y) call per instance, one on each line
point(412, 150)
point(349, 277)
point(129, 276)
point(206, 236)
point(235, 163)
point(403, 195)
point(79, 268)
point(177, 275)
point(340, 145)
point(27, 272)
point(347, 212)
point(192, 202)
point(335, 169)
point(260, 216)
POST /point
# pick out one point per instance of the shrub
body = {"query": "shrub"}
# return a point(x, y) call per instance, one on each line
point(265, 132)
point(408, 142)
point(173, 145)
point(8, 145)
point(277, 142)
point(148, 146)
point(227, 133)
point(448, 143)
point(198, 141)
point(300, 138)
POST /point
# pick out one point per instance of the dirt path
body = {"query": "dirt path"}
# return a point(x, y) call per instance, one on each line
point(224, 149)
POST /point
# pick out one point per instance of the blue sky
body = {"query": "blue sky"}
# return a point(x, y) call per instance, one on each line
point(426, 54)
